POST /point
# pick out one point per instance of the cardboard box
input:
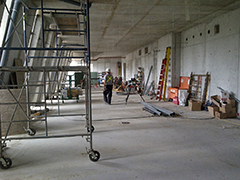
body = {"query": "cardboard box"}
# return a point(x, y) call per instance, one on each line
point(195, 105)
point(212, 109)
point(220, 115)
point(74, 93)
point(216, 100)
point(225, 108)
point(232, 113)
point(232, 102)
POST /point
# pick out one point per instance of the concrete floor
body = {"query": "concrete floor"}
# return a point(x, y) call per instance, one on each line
point(133, 145)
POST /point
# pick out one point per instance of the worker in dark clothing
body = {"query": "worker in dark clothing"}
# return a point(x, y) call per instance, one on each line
point(108, 86)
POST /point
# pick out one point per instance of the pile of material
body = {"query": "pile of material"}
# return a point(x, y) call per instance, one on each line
point(157, 110)
point(223, 107)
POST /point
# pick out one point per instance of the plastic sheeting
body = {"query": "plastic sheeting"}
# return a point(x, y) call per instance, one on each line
point(182, 97)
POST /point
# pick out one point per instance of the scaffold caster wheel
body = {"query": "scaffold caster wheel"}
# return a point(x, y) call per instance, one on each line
point(31, 132)
point(6, 164)
point(92, 128)
point(94, 156)
point(4, 145)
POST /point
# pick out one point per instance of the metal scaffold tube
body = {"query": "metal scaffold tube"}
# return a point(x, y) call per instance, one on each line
point(45, 79)
point(4, 57)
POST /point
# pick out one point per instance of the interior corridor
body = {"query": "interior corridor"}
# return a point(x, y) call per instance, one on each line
point(132, 143)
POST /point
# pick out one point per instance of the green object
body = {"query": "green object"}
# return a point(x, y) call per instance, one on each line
point(94, 78)
point(78, 78)
point(70, 85)
point(135, 76)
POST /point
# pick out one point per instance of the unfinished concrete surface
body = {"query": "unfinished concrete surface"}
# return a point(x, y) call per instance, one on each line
point(133, 145)
point(12, 111)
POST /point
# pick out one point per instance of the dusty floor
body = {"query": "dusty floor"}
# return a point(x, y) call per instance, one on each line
point(132, 143)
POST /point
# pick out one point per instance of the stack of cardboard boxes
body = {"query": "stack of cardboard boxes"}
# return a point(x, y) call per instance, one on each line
point(222, 109)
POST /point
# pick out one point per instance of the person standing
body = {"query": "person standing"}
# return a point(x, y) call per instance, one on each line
point(108, 86)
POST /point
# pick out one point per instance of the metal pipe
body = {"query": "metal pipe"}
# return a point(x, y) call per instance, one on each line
point(54, 57)
point(56, 9)
point(1, 146)
point(45, 102)
point(40, 68)
point(26, 64)
point(64, 13)
point(148, 110)
point(62, 30)
point(78, 24)
point(71, 2)
point(81, 45)
point(45, 137)
point(89, 71)
point(114, 57)
point(43, 37)
point(42, 49)
point(164, 111)
point(151, 108)
point(58, 93)
point(148, 89)
point(5, 53)
point(25, 35)
point(145, 87)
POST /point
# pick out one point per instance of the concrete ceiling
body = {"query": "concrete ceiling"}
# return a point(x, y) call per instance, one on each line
point(122, 26)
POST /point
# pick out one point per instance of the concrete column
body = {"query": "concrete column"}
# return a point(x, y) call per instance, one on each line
point(6, 111)
point(176, 59)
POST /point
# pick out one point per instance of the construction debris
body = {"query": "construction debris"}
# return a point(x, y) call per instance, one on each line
point(157, 110)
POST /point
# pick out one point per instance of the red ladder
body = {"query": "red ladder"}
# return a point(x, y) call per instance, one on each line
point(161, 79)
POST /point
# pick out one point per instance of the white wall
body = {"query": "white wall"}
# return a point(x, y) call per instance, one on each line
point(199, 50)
point(214, 53)
point(156, 52)
point(102, 64)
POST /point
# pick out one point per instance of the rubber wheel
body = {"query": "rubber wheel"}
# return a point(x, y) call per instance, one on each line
point(94, 157)
point(31, 132)
point(7, 164)
point(92, 128)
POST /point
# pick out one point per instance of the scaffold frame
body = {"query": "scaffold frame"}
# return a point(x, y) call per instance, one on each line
point(51, 76)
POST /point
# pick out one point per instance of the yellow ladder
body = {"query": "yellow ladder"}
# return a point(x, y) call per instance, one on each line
point(168, 54)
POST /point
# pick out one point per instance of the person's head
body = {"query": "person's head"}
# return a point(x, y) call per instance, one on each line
point(108, 70)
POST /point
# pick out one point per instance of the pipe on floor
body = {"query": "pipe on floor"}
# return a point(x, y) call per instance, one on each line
point(158, 109)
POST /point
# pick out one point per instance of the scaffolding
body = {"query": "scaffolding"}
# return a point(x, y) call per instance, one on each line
point(50, 76)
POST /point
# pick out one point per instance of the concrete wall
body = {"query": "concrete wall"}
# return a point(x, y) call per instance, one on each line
point(200, 50)
point(204, 50)
point(7, 111)
point(156, 52)
point(102, 64)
